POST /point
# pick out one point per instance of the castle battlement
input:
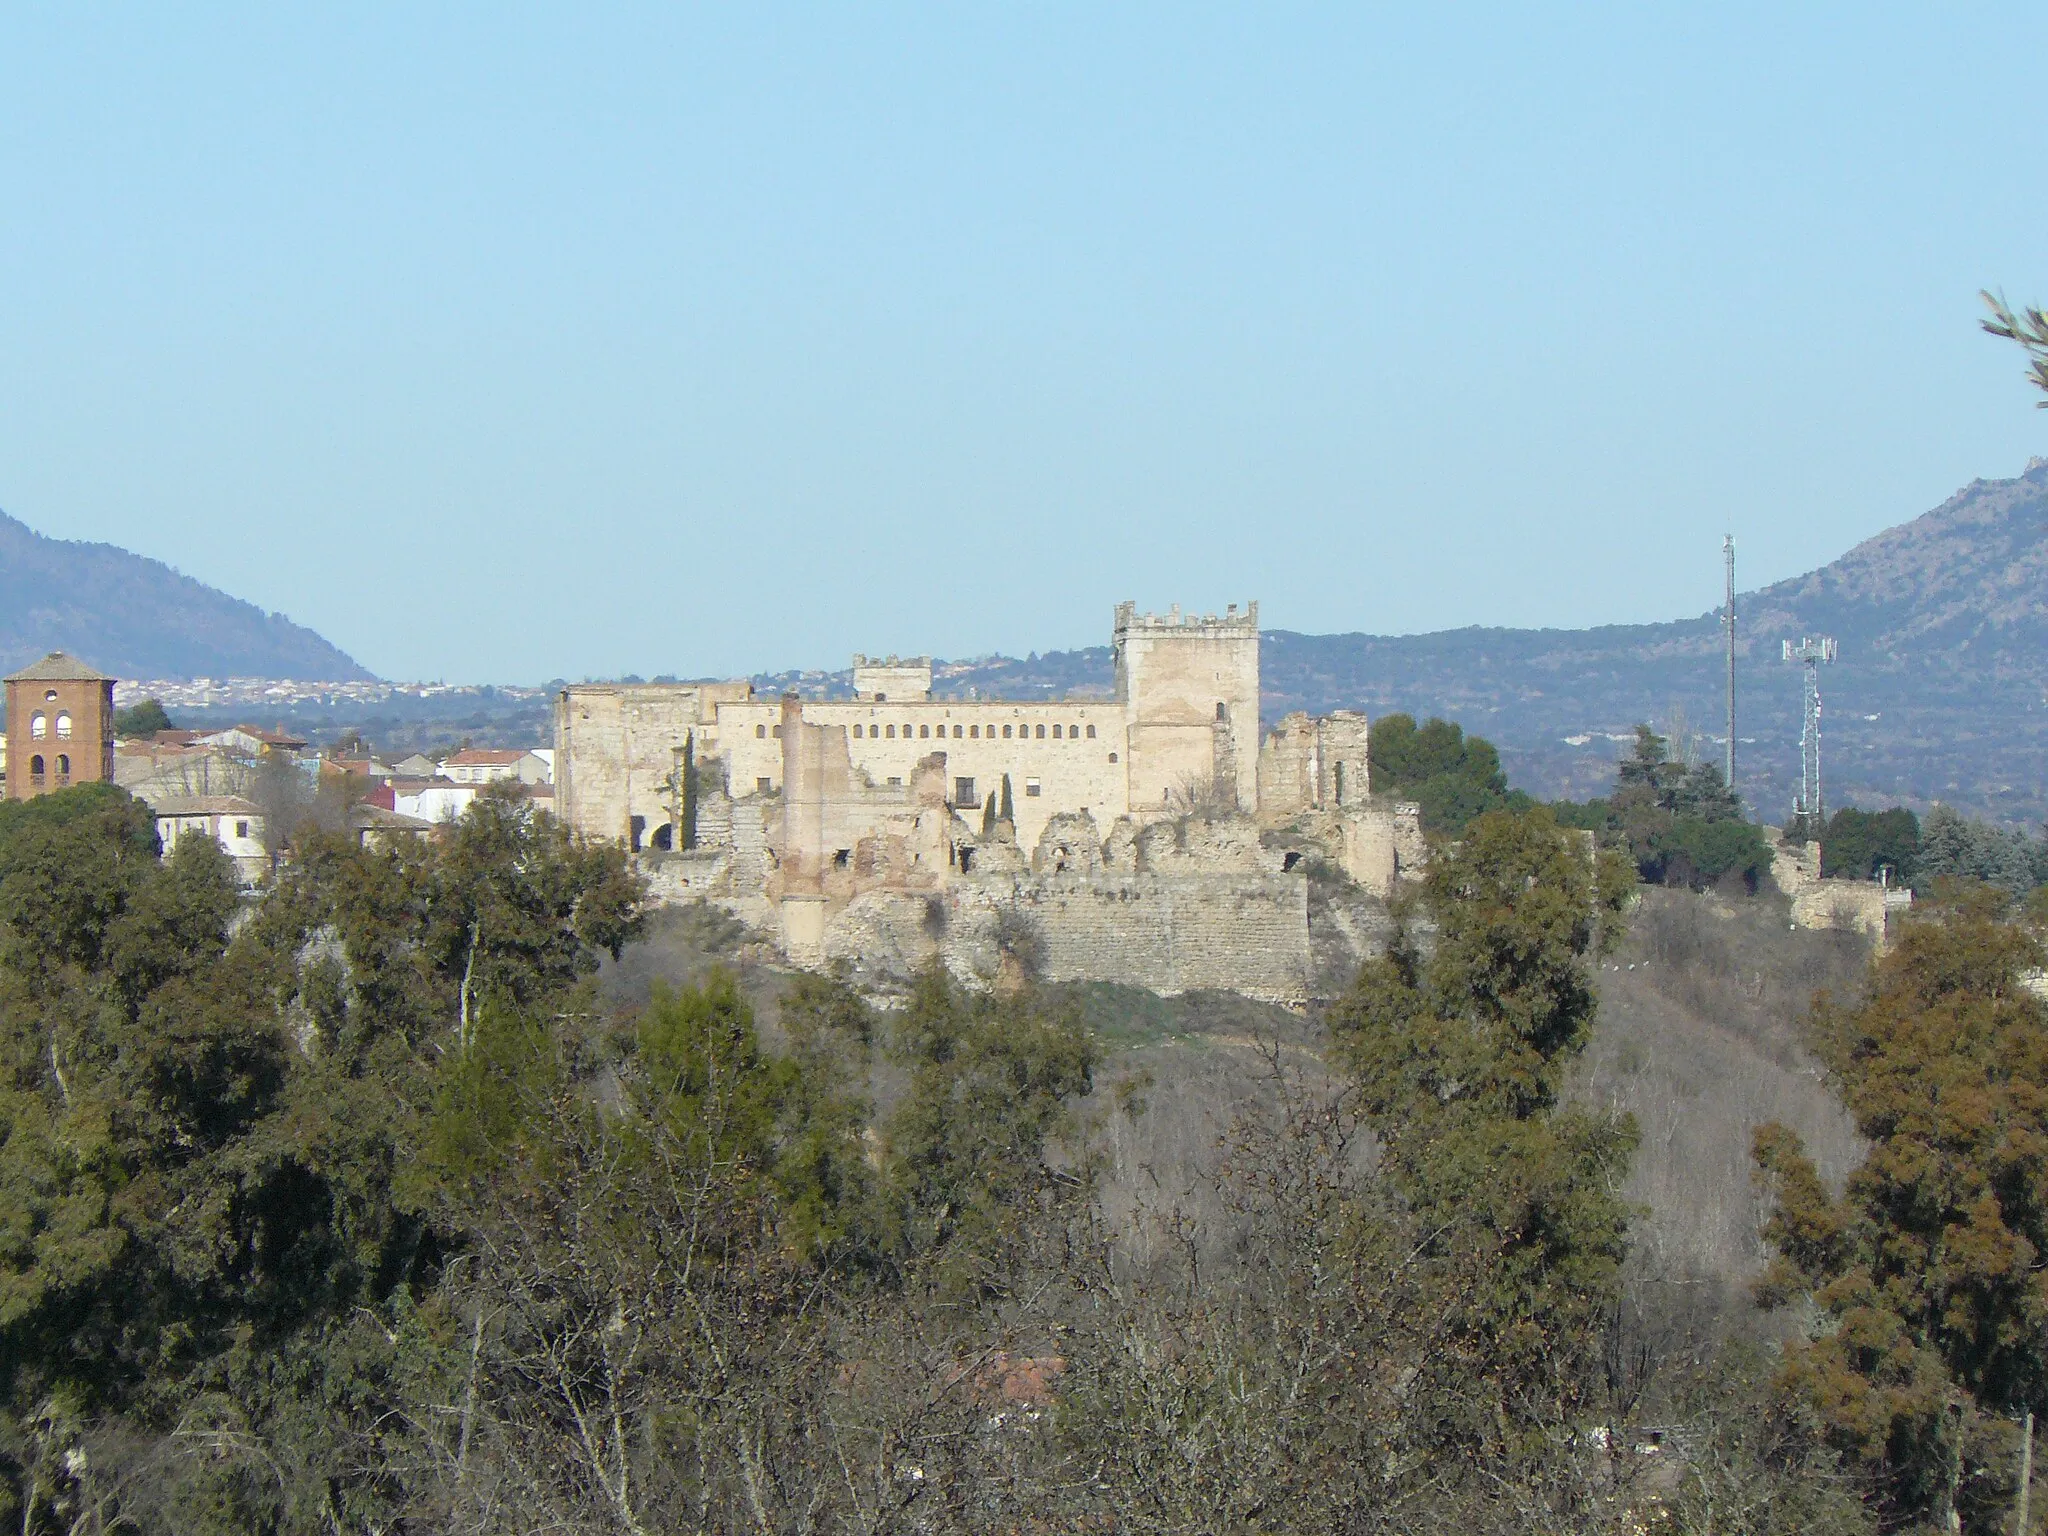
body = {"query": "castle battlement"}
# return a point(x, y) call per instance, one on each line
point(1233, 621)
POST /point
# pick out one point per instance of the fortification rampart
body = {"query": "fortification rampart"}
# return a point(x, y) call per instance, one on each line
point(1128, 845)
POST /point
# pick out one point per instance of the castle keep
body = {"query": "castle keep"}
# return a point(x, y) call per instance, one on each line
point(1127, 844)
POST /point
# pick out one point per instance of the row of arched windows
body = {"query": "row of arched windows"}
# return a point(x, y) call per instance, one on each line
point(1010, 733)
point(39, 725)
point(35, 766)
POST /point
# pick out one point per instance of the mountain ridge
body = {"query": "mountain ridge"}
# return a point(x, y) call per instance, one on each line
point(1940, 692)
point(138, 617)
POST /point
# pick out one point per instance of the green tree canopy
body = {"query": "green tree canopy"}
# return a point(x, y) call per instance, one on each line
point(1856, 845)
point(144, 719)
point(1454, 777)
point(1680, 823)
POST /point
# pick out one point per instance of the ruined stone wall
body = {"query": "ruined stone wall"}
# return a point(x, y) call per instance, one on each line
point(1190, 692)
point(1379, 844)
point(1244, 933)
point(1862, 906)
point(1314, 764)
point(616, 747)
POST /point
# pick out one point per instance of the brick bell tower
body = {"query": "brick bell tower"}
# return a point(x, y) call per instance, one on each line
point(60, 727)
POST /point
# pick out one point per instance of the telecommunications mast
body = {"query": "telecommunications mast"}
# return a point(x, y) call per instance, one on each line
point(1810, 652)
point(1728, 623)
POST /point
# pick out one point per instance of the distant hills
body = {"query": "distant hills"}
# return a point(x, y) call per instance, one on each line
point(1940, 693)
point(138, 618)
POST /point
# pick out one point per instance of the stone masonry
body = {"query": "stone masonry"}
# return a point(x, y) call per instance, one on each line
point(872, 829)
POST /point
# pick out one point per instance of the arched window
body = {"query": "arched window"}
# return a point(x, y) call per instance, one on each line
point(891, 733)
point(1073, 733)
point(1006, 733)
point(63, 765)
point(38, 726)
point(925, 730)
point(1091, 737)
point(35, 766)
point(1112, 757)
point(1041, 733)
point(974, 730)
point(760, 733)
point(956, 733)
point(1055, 733)
point(64, 725)
point(856, 733)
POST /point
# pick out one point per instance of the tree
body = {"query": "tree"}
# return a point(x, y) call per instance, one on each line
point(1452, 777)
point(1925, 1276)
point(144, 719)
point(1953, 847)
point(1682, 825)
point(1458, 1056)
point(1858, 844)
point(2029, 328)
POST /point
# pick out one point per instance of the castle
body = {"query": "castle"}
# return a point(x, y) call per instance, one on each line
point(1128, 836)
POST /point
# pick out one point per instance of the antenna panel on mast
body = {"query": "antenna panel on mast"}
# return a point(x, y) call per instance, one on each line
point(1810, 651)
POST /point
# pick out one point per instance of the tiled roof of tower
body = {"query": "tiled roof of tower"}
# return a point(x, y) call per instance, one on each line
point(59, 668)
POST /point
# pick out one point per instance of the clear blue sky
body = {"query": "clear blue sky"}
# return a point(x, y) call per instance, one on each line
point(502, 343)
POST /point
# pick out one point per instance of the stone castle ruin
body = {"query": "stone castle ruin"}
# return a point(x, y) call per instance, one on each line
point(1153, 837)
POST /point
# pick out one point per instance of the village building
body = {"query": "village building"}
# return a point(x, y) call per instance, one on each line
point(234, 823)
point(485, 765)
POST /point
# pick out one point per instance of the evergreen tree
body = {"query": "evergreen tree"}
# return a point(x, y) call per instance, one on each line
point(1925, 1275)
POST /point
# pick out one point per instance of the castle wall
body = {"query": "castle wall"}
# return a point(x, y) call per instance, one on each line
point(1169, 933)
point(1314, 764)
point(617, 748)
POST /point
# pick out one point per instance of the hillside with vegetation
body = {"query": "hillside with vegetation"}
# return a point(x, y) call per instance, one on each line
point(443, 1185)
point(1938, 693)
point(137, 618)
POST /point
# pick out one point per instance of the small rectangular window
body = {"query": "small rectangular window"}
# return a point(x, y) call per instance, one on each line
point(895, 781)
point(1031, 786)
point(241, 829)
point(963, 793)
point(763, 786)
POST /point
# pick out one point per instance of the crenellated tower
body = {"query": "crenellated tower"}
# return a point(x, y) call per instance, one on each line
point(1190, 691)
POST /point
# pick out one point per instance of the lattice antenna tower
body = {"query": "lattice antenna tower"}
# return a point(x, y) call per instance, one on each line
point(1810, 652)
